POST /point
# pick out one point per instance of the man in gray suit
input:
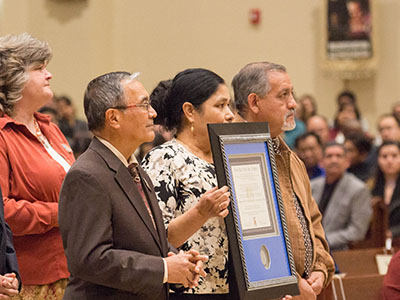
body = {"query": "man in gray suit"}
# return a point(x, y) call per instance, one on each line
point(110, 222)
point(343, 199)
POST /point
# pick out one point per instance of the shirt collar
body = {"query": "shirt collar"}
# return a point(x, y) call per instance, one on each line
point(118, 154)
point(5, 119)
point(282, 145)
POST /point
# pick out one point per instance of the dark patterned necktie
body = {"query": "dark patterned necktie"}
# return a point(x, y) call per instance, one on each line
point(302, 220)
point(133, 169)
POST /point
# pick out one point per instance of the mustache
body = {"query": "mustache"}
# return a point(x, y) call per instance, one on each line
point(333, 165)
point(291, 112)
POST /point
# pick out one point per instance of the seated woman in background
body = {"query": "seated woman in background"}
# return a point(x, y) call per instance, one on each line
point(184, 175)
point(34, 158)
point(347, 112)
point(308, 107)
point(386, 192)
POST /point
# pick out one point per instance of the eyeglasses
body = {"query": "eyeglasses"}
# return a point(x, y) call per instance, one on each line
point(145, 106)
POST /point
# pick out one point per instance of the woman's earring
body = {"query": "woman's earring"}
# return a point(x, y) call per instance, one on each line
point(192, 128)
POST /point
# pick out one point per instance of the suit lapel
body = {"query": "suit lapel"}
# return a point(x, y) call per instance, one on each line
point(123, 177)
point(125, 181)
point(153, 202)
point(337, 194)
point(319, 188)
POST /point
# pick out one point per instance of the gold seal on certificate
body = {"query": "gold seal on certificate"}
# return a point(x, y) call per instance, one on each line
point(265, 257)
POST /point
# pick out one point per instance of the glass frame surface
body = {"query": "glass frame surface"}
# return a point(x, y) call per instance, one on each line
point(261, 258)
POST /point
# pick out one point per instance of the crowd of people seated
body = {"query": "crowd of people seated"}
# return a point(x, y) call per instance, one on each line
point(362, 154)
point(355, 178)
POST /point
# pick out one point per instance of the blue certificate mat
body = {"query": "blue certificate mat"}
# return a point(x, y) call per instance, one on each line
point(260, 252)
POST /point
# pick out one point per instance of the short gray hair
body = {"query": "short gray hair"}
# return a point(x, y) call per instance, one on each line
point(102, 93)
point(17, 54)
point(252, 78)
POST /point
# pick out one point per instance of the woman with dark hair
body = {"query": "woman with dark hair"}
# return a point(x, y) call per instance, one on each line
point(184, 175)
point(346, 97)
point(358, 148)
point(347, 115)
point(159, 91)
point(386, 191)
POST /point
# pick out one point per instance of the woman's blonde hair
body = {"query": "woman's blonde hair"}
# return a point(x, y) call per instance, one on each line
point(18, 53)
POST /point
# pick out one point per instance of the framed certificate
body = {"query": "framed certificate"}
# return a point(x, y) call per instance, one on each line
point(261, 258)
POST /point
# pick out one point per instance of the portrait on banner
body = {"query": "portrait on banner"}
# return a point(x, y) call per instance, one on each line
point(350, 48)
point(349, 29)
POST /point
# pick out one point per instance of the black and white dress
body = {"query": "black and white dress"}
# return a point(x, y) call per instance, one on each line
point(180, 178)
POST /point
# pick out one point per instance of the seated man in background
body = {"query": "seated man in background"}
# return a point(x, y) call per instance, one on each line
point(343, 199)
point(389, 128)
point(110, 222)
point(396, 110)
point(319, 125)
point(308, 147)
point(76, 131)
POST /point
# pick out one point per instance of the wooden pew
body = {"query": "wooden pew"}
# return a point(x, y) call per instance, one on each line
point(360, 279)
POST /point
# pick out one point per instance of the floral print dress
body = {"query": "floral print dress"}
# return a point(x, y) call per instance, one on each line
point(180, 178)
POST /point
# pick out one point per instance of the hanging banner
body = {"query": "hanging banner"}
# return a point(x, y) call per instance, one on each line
point(349, 29)
point(350, 52)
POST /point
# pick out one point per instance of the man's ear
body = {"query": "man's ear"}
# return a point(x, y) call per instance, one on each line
point(189, 110)
point(112, 118)
point(253, 103)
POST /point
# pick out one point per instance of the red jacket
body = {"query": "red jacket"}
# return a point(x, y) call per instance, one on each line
point(31, 181)
point(391, 282)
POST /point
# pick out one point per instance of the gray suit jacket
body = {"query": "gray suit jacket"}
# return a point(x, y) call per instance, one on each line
point(348, 213)
point(112, 248)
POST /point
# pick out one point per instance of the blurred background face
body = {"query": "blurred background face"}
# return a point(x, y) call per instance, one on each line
point(320, 127)
point(66, 111)
point(308, 106)
point(309, 151)
point(354, 9)
point(335, 161)
point(299, 109)
point(347, 113)
point(351, 126)
point(389, 129)
point(344, 100)
point(396, 110)
point(389, 160)
point(352, 153)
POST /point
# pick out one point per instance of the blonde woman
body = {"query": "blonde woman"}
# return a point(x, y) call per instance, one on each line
point(34, 158)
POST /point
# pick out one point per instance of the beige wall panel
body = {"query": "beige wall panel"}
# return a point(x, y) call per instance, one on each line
point(160, 38)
